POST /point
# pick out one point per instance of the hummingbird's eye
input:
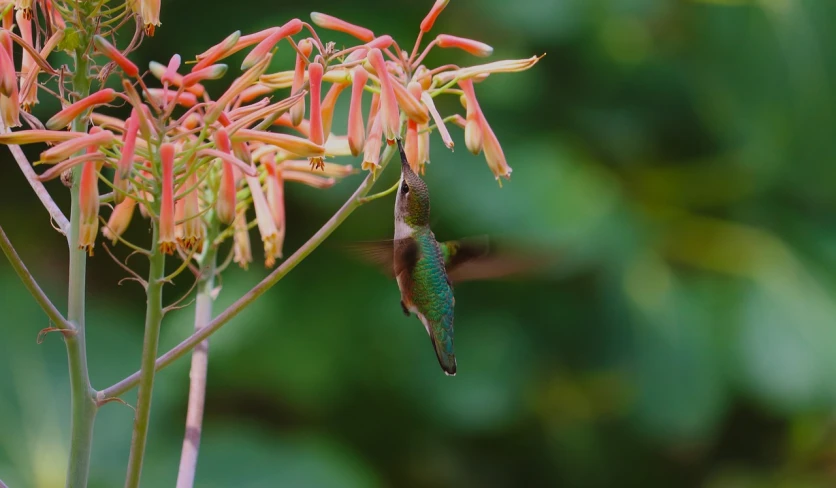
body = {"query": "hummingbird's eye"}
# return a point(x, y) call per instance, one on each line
point(404, 188)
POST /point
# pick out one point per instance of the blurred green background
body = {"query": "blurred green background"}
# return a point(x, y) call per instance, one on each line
point(679, 155)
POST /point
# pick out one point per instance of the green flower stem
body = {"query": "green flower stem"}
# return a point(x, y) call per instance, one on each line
point(29, 281)
point(200, 363)
point(188, 344)
point(82, 394)
point(153, 318)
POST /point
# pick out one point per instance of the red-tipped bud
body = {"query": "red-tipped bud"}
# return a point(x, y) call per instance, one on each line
point(119, 220)
point(88, 194)
point(475, 48)
point(473, 126)
point(208, 73)
point(171, 70)
point(429, 20)
point(68, 148)
point(109, 50)
point(167, 237)
point(28, 94)
point(390, 117)
point(70, 112)
point(297, 112)
point(292, 27)
point(356, 128)
point(127, 160)
point(329, 22)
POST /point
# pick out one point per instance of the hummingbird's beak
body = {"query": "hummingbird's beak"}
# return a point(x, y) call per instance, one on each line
point(404, 162)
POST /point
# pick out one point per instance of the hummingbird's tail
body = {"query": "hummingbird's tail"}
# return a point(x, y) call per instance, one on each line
point(445, 354)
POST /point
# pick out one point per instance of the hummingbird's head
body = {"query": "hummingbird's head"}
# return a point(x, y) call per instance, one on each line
point(412, 205)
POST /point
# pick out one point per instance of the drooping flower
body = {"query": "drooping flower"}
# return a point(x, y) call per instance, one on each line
point(473, 128)
point(191, 232)
point(88, 195)
point(66, 116)
point(266, 224)
point(390, 119)
point(356, 128)
point(242, 253)
point(297, 112)
point(28, 94)
point(167, 235)
point(225, 203)
point(119, 220)
point(315, 72)
point(371, 151)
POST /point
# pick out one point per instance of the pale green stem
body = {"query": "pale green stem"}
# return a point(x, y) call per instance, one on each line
point(83, 396)
point(200, 363)
point(153, 318)
point(198, 336)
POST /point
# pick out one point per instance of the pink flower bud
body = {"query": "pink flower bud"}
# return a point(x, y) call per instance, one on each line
point(68, 148)
point(328, 106)
point(390, 118)
point(296, 145)
point(292, 27)
point(119, 220)
point(115, 55)
point(225, 203)
point(218, 51)
point(88, 194)
point(164, 97)
point(128, 149)
point(410, 105)
point(328, 22)
point(429, 20)
point(469, 45)
point(315, 72)
point(35, 136)
point(167, 235)
point(297, 112)
point(473, 127)
point(70, 112)
point(253, 92)
point(356, 128)
point(208, 73)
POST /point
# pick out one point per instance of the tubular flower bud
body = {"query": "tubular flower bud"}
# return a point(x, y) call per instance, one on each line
point(390, 118)
point(88, 194)
point(475, 48)
point(208, 73)
point(164, 97)
point(241, 83)
point(415, 140)
point(429, 20)
point(225, 203)
point(68, 148)
point(315, 72)
point(120, 186)
point(109, 50)
point(493, 153)
point(191, 231)
point(171, 69)
point(167, 235)
point(175, 79)
point(332, 23)
point(127, 160)
point(371, 151)
point(10, 109)
point(145, 195)
point(296, 145)
point(410, 105)
point(216, 52)
point(292, 27)
point(119, 220)
point(266, 224)
point(374, 108)
point(275, 192)
point(473, 127)
point(356, 128)
point(328, 106)
point(8, 80)
point(65, 117)
point(439, 122)
point(34, 136)
point(28, 95)
point(297, 112)
point(242, 253)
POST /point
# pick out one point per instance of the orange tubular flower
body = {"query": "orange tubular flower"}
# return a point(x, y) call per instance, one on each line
point(266, 224)
point(493, 153)
point(88, 195)
point(296, 145)
point(328, 106)
point(371, 151)
point(167, 235)
point(429, 20)
point(242, 253)
point(439, 122)
point(356, 128)
point(390, 118)
point(127, 160)
point(191, 233)
point(411, 146)
point(208, 73)
point(473, 128)
point(115, 55)
point(68, 148)
point(164, 97)
point(292, 27)
point(34, 136)
point(475, 48)
point(410, 105)
point(297, 112)
point(65, 117)
point(149, 10)
point(216, 52)
point(329, 22)
point(29, 96)
point(119, 220)
point(225, 203)
point(8, 80)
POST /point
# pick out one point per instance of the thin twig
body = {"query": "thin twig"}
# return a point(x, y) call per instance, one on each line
point(189, 343)
point(29, 281)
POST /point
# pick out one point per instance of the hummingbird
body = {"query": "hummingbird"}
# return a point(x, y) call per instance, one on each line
point(425, 269)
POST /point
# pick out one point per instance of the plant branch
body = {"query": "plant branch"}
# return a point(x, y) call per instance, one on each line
point(188, 344)
point(200, 365)
point(29, 281)
point(84, 407)
point(153, 318)
point(40, 190)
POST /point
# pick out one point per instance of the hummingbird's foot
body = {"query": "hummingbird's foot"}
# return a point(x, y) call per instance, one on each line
point(405, 310)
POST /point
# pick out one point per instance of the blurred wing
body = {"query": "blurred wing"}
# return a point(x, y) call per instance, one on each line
point(475, 259)
point(382, 254)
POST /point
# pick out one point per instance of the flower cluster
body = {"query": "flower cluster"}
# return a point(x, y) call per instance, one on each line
point(204, 167)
